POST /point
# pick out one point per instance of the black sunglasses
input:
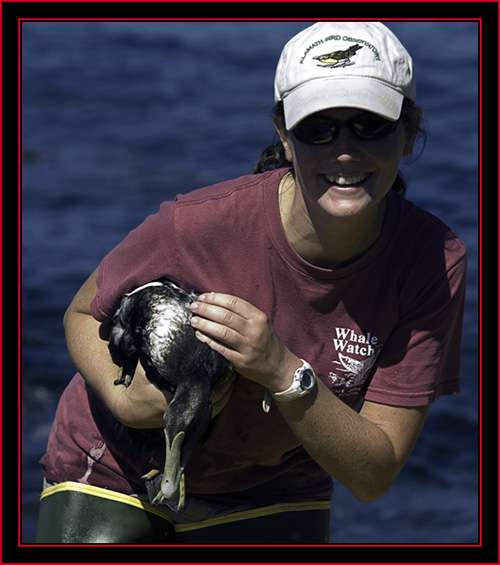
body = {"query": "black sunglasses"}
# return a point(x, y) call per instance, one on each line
point(315, 130)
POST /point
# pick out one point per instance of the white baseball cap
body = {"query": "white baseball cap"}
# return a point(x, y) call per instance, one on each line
point(344, 64)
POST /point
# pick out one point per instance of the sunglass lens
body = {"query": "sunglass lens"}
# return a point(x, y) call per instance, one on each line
point(370, 126)
point(315, 131)
point(318, 131)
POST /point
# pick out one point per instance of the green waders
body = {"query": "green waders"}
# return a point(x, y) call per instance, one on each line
point(73, 513)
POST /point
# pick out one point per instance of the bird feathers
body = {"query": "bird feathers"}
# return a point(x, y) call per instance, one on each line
point(152, 325)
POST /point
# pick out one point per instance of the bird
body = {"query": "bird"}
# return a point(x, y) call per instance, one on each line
point(338, 58)
point(152, 325)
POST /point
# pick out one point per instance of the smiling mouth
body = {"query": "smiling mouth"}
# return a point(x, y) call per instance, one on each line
point(346, 181)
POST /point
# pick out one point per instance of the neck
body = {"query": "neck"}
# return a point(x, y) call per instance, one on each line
point(322, 240)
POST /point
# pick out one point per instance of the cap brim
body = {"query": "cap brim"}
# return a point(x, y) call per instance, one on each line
point(322, 94)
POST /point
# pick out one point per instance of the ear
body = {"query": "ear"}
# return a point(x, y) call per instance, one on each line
point(279, 124)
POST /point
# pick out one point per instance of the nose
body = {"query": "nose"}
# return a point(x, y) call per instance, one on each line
point(346, 148)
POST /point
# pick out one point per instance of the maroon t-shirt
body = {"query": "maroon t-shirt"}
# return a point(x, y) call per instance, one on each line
point(387, 327)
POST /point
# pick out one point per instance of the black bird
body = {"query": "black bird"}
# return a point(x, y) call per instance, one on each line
point(152, 325)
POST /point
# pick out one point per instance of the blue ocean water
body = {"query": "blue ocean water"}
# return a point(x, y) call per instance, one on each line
point(120, 116)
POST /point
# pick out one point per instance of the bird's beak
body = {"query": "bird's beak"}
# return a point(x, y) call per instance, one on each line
point(172, 472)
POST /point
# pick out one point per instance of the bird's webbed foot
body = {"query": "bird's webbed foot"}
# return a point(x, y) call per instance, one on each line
point(123, 378)
point(153, 481)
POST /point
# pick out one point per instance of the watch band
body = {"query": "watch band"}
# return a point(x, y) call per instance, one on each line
point(304, 380)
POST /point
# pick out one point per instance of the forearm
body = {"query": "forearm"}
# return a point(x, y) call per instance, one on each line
point(349, 447)
point(89, 353)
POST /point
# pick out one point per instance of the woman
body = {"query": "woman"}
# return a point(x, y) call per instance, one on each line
point(338, 302)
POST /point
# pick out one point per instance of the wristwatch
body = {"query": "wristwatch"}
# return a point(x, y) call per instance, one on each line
point(304, 380)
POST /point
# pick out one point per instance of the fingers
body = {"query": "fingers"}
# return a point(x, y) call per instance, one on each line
point(221, 317)
point(215, 318)
point(224, 323)
point(227, 323)
point(218, 343)
point(244, 335)
point(228, 302)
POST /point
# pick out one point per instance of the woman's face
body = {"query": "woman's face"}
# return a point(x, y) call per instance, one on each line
point(349, 176)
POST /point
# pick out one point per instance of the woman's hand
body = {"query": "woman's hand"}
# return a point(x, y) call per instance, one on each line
point(244, 336)
point(142, 404)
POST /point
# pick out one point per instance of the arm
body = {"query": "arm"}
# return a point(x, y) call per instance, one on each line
point(142, 404)
point(364, 451)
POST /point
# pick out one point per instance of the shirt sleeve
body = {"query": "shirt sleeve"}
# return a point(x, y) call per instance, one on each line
point(420, 361)
point(137, 260)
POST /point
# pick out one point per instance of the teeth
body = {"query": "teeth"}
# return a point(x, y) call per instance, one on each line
point(342, 180)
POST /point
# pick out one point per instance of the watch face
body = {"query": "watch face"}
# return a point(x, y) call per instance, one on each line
point(307, 379)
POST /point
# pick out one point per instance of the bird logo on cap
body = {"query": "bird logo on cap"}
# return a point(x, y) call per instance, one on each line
point(338, 58)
